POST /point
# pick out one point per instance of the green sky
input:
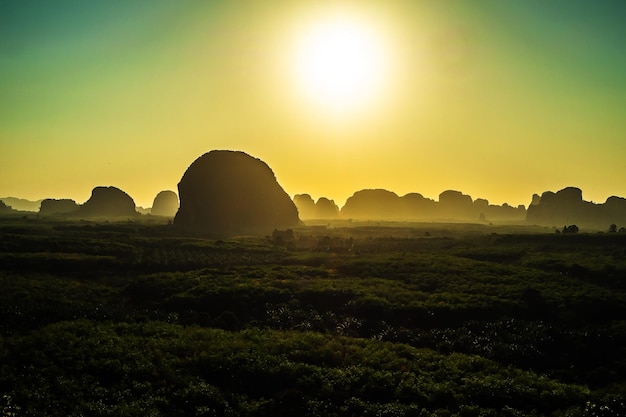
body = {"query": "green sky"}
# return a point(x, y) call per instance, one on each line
point(498, 99)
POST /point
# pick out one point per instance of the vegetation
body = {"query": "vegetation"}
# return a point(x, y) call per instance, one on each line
point(130, 319)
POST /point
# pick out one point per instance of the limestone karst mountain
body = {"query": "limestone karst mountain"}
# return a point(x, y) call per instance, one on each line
point(456, 205)
point(5, 209)
point(306, 206)
point(53, 207)
point(165, 204)
point(225, 193)
point(108, 202)
point(373, 204)
point(21, 204)
point(326, 208)
point(567, 207)
point(415, 205)
point(379, 204)
point(309, 209)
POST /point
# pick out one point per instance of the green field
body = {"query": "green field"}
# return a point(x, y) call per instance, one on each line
point(348, 319)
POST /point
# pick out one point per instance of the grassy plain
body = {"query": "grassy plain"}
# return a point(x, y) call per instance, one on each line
point(343, 319)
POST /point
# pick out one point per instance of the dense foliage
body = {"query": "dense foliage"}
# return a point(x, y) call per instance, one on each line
point(129, 319)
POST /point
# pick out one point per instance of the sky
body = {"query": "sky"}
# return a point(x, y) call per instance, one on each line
point(497, 99)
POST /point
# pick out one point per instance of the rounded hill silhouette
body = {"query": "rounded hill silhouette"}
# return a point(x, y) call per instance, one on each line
point(108, 202)
point(567, 206)
point(309, 209)
point(226, 193)
point(52, 207)
point(165, 204)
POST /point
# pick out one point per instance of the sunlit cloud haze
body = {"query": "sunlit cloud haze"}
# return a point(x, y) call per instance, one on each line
point(497, 99)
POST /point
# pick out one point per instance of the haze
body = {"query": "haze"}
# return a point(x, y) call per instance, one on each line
point(497, 99)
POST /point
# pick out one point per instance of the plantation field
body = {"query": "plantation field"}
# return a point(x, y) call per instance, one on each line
point(363, 319)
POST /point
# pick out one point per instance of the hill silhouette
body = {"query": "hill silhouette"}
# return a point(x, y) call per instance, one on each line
point(225, 193)
point(567, 207)
point(165, 204)
point(21, 204)
point(5, 209)
point(373, 204)
point(309, 209)
point(230, 192)
point(52, 207)
point(108, 202)
point(380, 204)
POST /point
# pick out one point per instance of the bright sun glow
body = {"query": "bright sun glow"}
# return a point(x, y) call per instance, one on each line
point(340, 64)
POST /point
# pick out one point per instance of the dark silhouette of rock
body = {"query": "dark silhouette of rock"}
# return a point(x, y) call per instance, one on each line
point(535, 200)
point(4, 209)
point(21, 204)
point(481, 203)
point(482, 206)
point(379, 204)
point(614, 210)
point(556, 208)
point(567, 206)
point(376, 204)
point(452, 206)
point(52, 207)
point(570, 195)
point(326, 208)
point(454, 198)
point(503, 213)
point(305, 205)
point(456, 205)
point(165, 204)
point(416, 206)
point(308, 209)
point(108, 202)
point(226, 193)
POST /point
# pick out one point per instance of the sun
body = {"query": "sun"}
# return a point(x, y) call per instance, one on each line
point(340, 63)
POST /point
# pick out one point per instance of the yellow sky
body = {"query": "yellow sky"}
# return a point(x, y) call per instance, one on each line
point(498, 101)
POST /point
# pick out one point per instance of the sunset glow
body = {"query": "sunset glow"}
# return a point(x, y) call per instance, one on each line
point(499, 99)
point(340, 64)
